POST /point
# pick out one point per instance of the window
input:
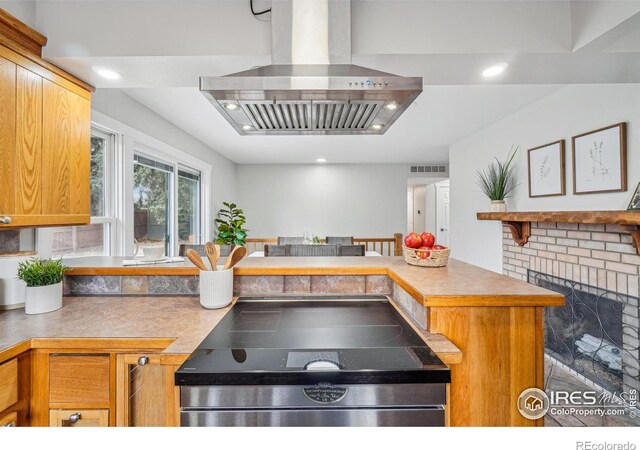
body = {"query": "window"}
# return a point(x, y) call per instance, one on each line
point(95, 239)
point(188, 206)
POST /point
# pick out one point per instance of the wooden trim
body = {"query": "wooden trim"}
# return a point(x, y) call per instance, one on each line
point(520, 231)
point(67, 345)
point(46, 220)
point(498, 300)
point(634, 231)
point(623, 158)
point(15, 350)
point(47, 70)
point(39, 401)
point(562, 169)
point(14, 31)
point(621, 217)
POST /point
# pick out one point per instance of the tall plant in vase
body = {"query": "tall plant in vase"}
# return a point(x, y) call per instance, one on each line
point(230, 224)
point(498, 181)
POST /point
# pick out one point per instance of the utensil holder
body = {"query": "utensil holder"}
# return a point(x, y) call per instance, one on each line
point(216, 288)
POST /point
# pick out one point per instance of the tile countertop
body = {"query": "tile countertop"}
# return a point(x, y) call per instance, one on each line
point(179, 320)
point(458, 284)
point(179, 323)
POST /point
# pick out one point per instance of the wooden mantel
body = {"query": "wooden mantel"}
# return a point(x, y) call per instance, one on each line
point(520, 222)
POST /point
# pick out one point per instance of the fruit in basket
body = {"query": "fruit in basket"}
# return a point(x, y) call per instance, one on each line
point(413, 240)
point(438, 247)
point(428, 239)
point(423, 252)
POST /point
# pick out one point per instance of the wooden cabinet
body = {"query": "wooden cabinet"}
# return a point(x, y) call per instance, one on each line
point(79, 418)
point(45, 141)
point(146, 392)
point(9, 420)
point(8, 384)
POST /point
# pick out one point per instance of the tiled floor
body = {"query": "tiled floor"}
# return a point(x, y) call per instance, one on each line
point(559, 379)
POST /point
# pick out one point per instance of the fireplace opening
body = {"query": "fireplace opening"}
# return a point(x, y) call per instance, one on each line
point(588, 333)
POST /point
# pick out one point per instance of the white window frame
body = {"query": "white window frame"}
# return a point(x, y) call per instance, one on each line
point(177, 162)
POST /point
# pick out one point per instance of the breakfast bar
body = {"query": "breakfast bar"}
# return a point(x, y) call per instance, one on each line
point(494, 322)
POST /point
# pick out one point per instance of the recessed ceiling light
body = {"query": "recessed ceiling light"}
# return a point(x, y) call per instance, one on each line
point(494, 70)
point(376, 126)
point(391, 106)
point(231, 106)
point(107, 73)
point(321, 160)
point(246, 127)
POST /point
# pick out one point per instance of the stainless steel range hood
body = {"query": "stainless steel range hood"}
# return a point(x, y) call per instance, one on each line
point(311, 88)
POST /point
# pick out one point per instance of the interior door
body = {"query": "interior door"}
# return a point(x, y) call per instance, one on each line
point(442, 216)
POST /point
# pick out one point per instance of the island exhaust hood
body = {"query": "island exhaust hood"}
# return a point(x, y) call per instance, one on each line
point(312, 87)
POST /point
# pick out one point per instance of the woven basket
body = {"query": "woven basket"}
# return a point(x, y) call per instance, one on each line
point(436, 258)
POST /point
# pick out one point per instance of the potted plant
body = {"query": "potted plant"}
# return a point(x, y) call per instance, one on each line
point(44, 284)
point(498, 181)
point(230, 224)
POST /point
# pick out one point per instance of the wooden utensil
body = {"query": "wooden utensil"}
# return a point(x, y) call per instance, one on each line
point(213, 253)
point(194, 257)
point(234, 258)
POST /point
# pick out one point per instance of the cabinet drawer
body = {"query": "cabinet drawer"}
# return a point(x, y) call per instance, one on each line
point(9, 420)
point(8, 384)
point(78, 418)
point(79, 379)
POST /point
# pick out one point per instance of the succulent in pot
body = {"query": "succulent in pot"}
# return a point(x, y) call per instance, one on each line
point(44, 284)
point(498, 181)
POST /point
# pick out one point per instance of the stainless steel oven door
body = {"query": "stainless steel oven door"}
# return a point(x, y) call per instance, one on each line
point(328, 417)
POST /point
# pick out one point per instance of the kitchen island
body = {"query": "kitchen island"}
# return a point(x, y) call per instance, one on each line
point(494, 322)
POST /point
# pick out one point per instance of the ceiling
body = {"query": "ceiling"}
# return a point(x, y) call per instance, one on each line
point(162, 47)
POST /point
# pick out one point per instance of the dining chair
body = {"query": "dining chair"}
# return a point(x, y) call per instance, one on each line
point(312, 250)
point(341, 240)
point(283, 240)
point(351, 250)
point(275, 250)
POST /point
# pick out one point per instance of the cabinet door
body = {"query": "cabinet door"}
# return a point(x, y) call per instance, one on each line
point(9, 420)
point(79, 418)
point(66, 142)
point(7, 136)
point(146, 393)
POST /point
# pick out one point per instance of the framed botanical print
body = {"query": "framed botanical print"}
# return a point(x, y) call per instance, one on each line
point(546, 170)
point(634, 204)
point(600, 160)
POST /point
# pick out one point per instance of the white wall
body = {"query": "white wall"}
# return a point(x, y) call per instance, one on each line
point(342, 199)
point(572, 110)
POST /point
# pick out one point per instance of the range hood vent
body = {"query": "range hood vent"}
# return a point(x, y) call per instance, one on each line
point(301, 93)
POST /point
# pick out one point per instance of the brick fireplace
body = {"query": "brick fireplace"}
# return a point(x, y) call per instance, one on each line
point(597, 261)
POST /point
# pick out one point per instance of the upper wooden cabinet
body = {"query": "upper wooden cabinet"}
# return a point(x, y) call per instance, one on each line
point(45, 139)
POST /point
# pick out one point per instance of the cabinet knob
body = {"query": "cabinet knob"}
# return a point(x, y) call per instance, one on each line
point(73, 418)
point(143, 360)
point(5, 220)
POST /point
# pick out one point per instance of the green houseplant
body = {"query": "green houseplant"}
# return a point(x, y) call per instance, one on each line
point(44, 284)
point(498, 181)
point(230, 224)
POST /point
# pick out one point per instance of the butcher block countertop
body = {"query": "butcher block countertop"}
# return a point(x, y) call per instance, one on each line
point(170, 325)
point(458, 284)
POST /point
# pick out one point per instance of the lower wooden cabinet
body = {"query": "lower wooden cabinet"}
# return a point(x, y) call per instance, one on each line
point(9, 420)
point(79, 418)
point(146, 392)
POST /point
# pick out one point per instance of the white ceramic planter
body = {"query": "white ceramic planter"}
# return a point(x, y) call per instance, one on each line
point(43, 299)
point(498, 206)
point(216, 288)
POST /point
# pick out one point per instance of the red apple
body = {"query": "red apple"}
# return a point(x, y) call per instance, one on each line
point(438, 247)
point(413, 240)
point(428, 239)
point(423, 252)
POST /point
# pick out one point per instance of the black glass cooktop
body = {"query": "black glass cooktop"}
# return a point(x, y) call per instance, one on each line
point(306, 342)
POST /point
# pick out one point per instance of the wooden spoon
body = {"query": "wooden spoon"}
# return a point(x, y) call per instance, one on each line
point(213, 253)
point(234, 258)
point(194, 257)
